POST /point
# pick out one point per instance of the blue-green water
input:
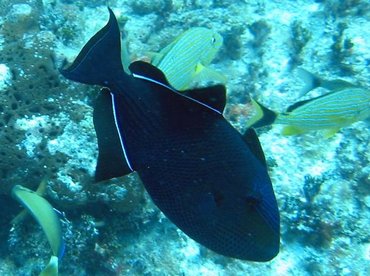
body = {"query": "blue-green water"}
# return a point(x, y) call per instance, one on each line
point(46, 131)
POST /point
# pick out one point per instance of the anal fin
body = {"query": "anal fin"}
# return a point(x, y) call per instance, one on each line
point(292, 130)
point(331, 132)
point(251, 139)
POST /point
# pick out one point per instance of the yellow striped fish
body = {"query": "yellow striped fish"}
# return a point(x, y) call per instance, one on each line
point(48, 219)
point(342, 106)
point(184, 61)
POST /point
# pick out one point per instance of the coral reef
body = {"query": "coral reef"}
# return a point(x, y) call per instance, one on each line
point(346, 8)
point(299, 39)
point(28, 91)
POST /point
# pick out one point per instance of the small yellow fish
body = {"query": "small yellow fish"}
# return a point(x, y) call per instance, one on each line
point(48, 219)
point(342, 106)
point(184, 61)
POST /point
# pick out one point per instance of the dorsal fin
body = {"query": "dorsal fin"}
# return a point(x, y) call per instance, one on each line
point(214, 96)
point(251, 139)
point(148, 71)
point(296, 105)
point(300, 103)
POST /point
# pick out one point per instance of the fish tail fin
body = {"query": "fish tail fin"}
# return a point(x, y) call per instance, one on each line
point(51, 268)
point(263, 116)
point(99, 61)
point(311, 81)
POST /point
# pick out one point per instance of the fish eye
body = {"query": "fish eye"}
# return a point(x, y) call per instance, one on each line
point(213, 40)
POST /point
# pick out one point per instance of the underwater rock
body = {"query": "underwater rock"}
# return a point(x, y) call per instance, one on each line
point(346, 8)
point(5, 76)
point(33, 77)
point(299, 39)
point(205, 4)
point(142, 7)
point(122, 194)
point(34, 128)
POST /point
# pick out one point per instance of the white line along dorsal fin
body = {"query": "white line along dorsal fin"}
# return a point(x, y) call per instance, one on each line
point(175, 91)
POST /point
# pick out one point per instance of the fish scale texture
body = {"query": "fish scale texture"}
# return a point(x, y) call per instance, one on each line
point(204, 189)
point(198, 170)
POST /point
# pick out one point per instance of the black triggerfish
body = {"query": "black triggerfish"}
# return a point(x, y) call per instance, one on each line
point(206, 177)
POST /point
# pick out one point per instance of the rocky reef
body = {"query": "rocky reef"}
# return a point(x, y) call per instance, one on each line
point(46, 130)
